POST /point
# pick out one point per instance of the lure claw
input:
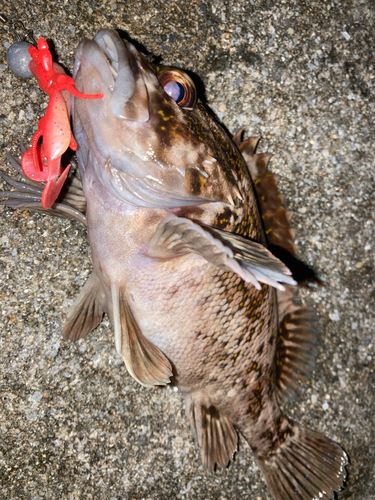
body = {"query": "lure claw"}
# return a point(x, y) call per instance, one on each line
point(54, 185)
point(42, 162)
point(33, 157)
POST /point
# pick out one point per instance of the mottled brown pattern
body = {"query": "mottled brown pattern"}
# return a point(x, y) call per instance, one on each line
point(218, 332)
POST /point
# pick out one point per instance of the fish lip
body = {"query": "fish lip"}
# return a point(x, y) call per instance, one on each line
point(109, 41)
point(115, 66)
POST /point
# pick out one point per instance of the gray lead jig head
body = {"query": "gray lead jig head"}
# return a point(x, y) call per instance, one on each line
point(18, 56)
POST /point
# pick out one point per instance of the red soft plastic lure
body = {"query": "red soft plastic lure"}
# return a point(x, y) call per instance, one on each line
point(42, 162)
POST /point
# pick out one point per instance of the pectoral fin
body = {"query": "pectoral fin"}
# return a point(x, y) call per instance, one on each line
point(176, 236)
point(71, 203)
point(143, 360)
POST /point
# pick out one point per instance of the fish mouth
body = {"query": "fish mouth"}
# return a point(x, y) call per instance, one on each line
point(118, 64)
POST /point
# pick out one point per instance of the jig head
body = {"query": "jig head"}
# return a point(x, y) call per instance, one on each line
point(18, 57)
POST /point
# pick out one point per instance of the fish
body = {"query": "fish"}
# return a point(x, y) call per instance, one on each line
point(181, 219)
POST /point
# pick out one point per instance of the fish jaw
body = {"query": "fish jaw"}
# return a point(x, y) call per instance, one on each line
point(141, 142)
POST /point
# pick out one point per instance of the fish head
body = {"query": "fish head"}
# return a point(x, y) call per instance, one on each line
point(149, 141)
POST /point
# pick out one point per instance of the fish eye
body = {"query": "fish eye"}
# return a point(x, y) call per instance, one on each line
point(179, 87)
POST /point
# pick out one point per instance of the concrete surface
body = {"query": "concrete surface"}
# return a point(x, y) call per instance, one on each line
point(73, 424)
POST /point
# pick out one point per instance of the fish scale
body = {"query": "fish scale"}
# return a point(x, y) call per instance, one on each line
point(222, 336)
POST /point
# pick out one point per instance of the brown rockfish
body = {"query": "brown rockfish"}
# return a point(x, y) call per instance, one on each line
point(179, 217)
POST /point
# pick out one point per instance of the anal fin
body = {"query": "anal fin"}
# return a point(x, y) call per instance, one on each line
point(86, 312)
point(216, 436)
point(144, 361)
point(296, 346)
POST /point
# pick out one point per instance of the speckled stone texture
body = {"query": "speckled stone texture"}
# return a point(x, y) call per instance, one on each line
point(73, 424)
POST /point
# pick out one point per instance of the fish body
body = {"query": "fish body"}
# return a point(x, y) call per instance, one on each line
point(181, 268)
point(208, 322)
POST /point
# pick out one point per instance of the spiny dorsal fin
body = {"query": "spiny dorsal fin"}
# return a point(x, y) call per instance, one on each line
point(144, 361)
point(248, 146)
point(86, 312)
point(216, 436)
point(237, 138)
point(271, 203)
point(296, 346)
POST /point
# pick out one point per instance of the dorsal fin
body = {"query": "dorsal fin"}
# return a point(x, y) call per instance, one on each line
point(271, 203)
point(296, 345)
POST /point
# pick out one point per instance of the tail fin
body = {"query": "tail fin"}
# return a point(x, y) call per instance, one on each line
point(306, 466)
